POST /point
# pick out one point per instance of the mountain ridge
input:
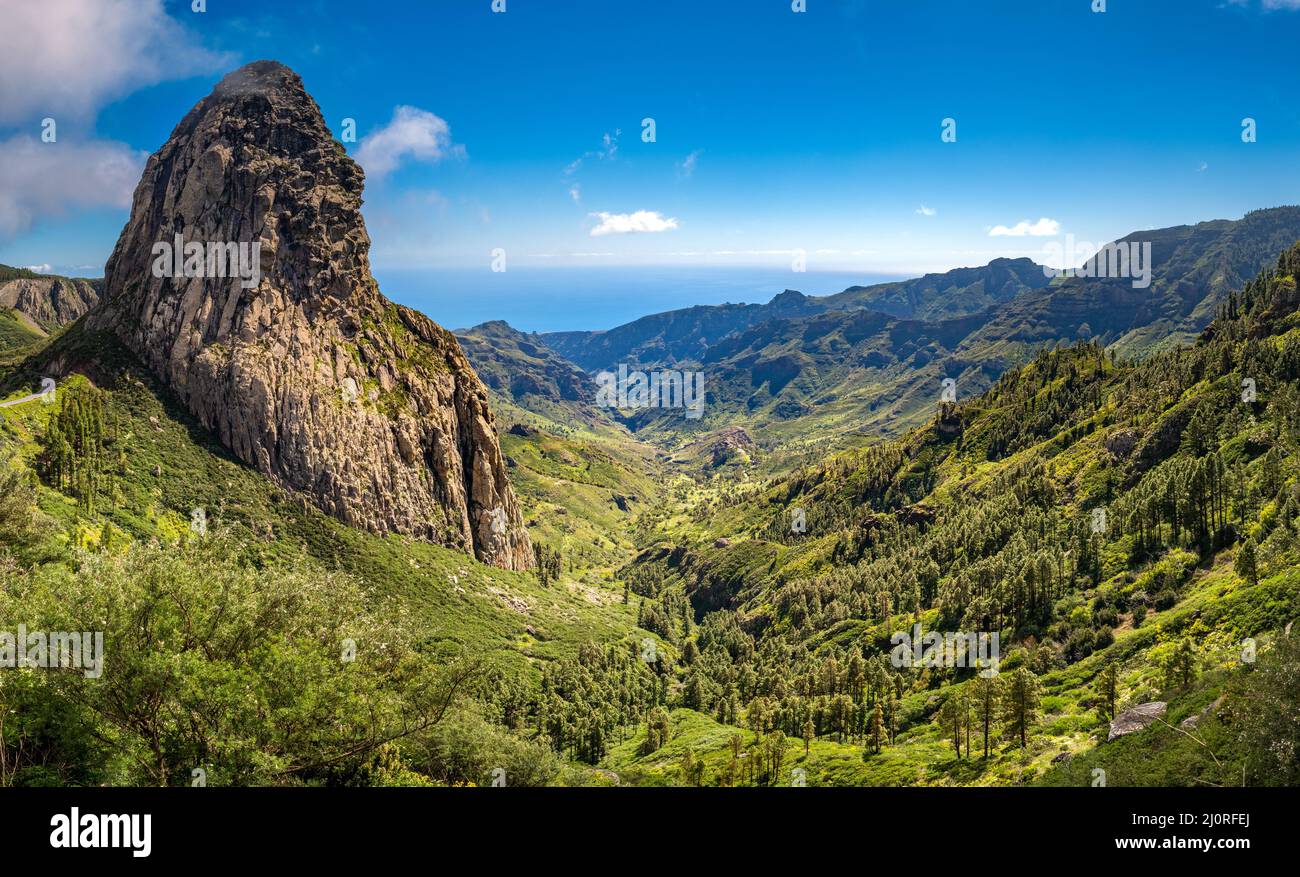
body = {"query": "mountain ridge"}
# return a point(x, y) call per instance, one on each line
point(45, 301)
point(775, 365)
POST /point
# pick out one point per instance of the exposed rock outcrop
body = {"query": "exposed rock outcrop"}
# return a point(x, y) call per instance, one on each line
point(725, 445)
point(309, 375)
point(1136, 719)
point(1121, 442)
point(49, 302)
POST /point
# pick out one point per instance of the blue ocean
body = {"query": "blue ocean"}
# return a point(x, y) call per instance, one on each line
point(555, 299)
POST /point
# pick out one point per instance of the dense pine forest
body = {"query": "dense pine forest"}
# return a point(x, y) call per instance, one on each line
point(1127, 529)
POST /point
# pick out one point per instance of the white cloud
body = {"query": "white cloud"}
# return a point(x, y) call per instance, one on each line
point(608, 151)
point(414, 133)
point(70, 57)
point(43, 268)
point(755, 252)
point(39, 180)
point(926, 211)
point(632, 223)
point(1043, 228)
point(1282, 4)
point(575, 192)
point(1269, 4)
point(686, 166)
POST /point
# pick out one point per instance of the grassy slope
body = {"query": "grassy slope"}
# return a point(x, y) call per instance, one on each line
point(1218, 609)
point(728, 538)
point(451, 597)
point(568, 480)
point(16, 335)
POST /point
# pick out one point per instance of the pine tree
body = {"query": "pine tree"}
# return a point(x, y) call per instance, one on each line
point(1180, 669)
point(1107, 692)
point(1020, 702)
point(692, 768)
point(950, 719)
point(985, 692)
point(74, 454)
point(1246, 564)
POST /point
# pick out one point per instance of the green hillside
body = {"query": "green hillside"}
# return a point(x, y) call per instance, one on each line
point(823, 374)
point(982, 521)
point(678, 630)
point(524, 372)
point(16, 334)
point(96, 534)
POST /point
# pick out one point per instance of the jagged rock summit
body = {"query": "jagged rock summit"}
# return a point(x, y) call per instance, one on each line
point(301, 367)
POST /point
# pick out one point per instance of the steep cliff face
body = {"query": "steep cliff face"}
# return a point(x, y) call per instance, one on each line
point(301, 367)
point(49, 302)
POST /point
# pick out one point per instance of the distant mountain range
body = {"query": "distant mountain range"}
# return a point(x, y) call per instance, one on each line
point(660, 340)
point(674, 336)
point(1195, 266)
point(871, 359)
point(520, 368)
point(512, 362)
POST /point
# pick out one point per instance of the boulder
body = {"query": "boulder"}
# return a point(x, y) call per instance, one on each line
point(1122, 442)
point(1137, 718)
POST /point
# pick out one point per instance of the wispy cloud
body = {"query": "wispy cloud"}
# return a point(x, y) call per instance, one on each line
point(926, 211)
point(640, 222)
point(1024, 228)
point(607, 152)
point(413, 133)
point(40, 180)
point(1268, 4)
point(71, 57)
point(686, 167)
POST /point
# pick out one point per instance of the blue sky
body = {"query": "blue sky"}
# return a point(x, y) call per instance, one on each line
point(776, 131)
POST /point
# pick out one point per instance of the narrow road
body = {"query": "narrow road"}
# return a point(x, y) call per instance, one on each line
point(47, 389)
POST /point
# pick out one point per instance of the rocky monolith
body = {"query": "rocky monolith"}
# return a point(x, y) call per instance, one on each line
point(243, 280)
